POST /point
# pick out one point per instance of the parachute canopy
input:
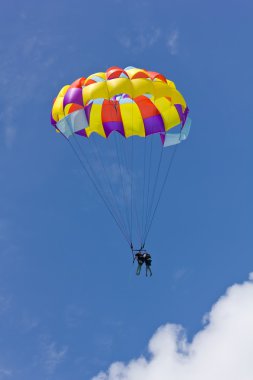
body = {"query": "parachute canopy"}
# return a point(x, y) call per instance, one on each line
point(130, 101)
point(128, 172)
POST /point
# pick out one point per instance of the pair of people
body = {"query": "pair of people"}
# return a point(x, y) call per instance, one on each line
point(141, 259)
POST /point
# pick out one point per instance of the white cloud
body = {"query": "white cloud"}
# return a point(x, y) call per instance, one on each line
point(173, 42)
point(125, 41)
point(222, 350)
point(179, 274)
point(52, 356)
point(5, 302)
point(140, 39)
point(28, 323)
point(20, 75)
point(7, 119)
point(5, 373)
point(75, 315)
point(10, 134)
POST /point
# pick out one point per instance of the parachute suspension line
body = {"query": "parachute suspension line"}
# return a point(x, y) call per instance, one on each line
point(126, 162)
point(161, 191)
point(143, 191)
point(127, 158)
point(138, 224)
point(125, 178)
point(108, 179)
point(97, 189)
point(147, 171)
point(131, 171)
point(121, 191)
point(123, 185)
point(134, 187)
point(114, 194)
point(150, 201)
point(98, 183)
point(148, 188)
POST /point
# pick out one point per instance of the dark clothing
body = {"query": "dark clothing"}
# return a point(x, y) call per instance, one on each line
point(140, 260)
point(148, 261)
point(143, 258)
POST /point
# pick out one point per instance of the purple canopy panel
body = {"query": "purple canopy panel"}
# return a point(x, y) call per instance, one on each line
point(73, 95)
point(179, 111)
point(82, 132)
point(162, 135)
point(111, 126)
point(153, 124)
point(87, 110)
point(186, 112)
point(53, 122)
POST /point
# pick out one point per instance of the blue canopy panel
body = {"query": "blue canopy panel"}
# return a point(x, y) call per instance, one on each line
point(72, 123)
point(176, 138)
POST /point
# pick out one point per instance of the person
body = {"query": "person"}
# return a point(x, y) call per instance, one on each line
point(140, 260)
point(147, 260)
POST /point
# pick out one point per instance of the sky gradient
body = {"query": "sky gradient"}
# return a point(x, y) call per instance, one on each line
point(70, 303)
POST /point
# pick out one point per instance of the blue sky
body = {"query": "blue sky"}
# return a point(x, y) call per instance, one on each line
point(70, 303)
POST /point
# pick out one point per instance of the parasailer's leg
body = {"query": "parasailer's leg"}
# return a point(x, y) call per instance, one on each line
point(138, 270)
point(148, 270)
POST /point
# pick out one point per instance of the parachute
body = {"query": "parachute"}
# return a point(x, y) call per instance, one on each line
point(131, 121)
